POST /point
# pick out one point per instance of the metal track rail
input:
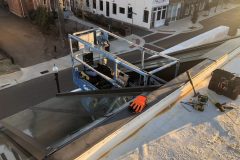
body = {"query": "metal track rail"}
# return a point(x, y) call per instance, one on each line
point(112, 92)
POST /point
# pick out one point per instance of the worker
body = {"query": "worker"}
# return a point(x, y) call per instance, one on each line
point(103, 37)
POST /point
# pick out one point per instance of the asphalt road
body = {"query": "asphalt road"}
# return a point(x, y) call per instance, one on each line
point(155, 37)
point(230, 18)
point(35, 91)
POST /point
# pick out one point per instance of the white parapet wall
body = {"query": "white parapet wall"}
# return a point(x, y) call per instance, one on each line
point(213, 35)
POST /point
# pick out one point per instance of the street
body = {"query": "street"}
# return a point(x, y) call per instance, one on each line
point(225, 19)
point(27, 94)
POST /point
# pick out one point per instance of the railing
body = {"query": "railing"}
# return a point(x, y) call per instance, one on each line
point(117, 60)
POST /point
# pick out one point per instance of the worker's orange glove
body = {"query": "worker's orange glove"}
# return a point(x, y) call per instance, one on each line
point(138, 104)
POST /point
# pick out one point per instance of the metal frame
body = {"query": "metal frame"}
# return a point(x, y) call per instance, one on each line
point(118, 61)
point(132, 91)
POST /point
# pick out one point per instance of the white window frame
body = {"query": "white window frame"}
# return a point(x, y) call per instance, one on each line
point(160, 9)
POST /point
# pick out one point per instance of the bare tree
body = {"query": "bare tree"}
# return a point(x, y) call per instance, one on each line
point(217, 3)
point(207, 7)
point(82, 9)
point(225, 3)
point(195, 15)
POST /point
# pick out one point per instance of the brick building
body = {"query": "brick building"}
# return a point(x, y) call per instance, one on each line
point(22, 7)
point(16, 7)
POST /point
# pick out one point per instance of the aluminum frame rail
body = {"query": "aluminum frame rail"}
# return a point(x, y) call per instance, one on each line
point(134, 44)
point(132, 91)
point(117, 60)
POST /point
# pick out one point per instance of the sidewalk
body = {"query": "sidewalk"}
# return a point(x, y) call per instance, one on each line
point(80, 21)
point(34, 71)
point(184, 25)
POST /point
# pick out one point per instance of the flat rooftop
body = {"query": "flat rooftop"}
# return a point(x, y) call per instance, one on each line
point(61, 125)
point(185, 133)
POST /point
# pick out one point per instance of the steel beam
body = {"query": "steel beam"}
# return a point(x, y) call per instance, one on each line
point(132, 91)
point(110, 56)
point(163, 67)
point(140, 47)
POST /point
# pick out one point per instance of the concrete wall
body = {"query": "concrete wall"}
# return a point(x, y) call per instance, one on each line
point(213, 35)
point(138, 7)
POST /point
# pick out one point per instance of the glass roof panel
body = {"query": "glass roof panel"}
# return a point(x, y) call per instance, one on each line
point(54, 120)
point(9, 150)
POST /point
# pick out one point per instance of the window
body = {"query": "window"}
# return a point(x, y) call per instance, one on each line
point(145, 16)
point(161, 12)
point(164, 14)
point(122, 10)
point(174, 12)
point(130, 12)
point(101, 5)
point(159, 15)
point(94, 4)
point(87, 2)
point(107, 8)
point(114, 8)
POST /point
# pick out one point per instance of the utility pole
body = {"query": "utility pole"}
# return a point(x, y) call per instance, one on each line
point(61, 20)
point(132, 13)
point(55, 71)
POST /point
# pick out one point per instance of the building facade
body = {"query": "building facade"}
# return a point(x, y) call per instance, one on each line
point(178, 9)
point(22, 7)
point(17, 7)
point(143, 13)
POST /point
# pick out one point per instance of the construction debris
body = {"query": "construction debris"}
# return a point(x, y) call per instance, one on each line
point(198, 101)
